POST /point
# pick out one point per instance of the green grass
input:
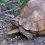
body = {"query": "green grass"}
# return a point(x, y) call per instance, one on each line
point(23, 3)
point(19, 6)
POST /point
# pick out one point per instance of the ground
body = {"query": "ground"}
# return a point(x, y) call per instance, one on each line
point(10, 8)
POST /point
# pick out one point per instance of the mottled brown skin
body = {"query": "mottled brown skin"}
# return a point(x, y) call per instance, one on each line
point(32, 18)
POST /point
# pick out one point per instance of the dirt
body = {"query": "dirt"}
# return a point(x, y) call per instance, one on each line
point(19, 39)
point(14, 39)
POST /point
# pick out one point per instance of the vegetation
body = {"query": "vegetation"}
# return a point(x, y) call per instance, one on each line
point(15, 9)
